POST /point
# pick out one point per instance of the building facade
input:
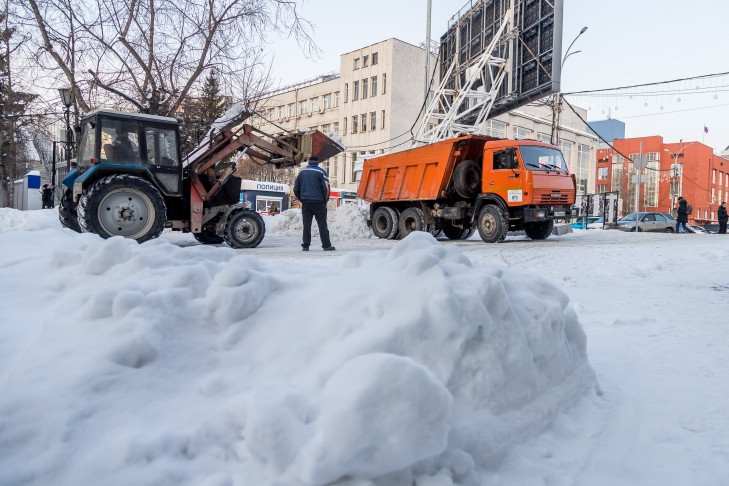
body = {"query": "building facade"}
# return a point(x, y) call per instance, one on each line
point(688, 169)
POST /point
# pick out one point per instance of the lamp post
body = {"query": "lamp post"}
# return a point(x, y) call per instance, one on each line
point(557, 108)
point(674, 171)
point(67, 100)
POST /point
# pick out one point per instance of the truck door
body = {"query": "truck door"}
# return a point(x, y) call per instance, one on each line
point(502, 174)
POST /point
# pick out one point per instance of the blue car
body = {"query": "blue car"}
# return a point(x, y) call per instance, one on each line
point(583, 223)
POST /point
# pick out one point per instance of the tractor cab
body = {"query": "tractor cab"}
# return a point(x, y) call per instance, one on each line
point(143, 145)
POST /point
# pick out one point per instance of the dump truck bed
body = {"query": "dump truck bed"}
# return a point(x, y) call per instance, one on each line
point(417, 173)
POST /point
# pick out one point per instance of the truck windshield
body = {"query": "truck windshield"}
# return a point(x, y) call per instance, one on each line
point(86, 145)
point(543, 158)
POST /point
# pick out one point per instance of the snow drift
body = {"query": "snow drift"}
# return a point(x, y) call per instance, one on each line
point(153, 364)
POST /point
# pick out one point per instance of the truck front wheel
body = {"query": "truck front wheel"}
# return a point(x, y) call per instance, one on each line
point(492, 225)
point(411, 220)
point(122, 205)
point(539, 230)
point(244, 229)
point(385, 223)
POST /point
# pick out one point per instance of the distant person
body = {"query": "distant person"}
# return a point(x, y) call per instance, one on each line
point(272, 209)
point(722, 214)
point(47, 197)
point(312, 189)
point(124, 149)
point(682, 217)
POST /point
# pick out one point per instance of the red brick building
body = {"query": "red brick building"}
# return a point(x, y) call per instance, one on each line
point(688, 169)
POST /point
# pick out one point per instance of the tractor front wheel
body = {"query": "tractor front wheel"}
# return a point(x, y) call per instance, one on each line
point(244, 229)
point(122, 205)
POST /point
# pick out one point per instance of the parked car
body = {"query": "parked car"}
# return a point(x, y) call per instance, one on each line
point(654, 222)
point(589, 222)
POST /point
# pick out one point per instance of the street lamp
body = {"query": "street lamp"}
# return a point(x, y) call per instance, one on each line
point(674, 172)
point(557, 108)
point(67, 100)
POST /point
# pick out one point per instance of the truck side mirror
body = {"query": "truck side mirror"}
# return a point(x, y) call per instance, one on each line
point(511, 160)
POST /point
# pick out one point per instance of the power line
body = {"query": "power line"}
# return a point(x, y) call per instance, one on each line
point(657, 83)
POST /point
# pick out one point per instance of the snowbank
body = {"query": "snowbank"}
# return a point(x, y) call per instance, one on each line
point(153, 364)
point(347, 222)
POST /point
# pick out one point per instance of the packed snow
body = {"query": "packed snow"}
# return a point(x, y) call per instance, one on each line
point(597, 357)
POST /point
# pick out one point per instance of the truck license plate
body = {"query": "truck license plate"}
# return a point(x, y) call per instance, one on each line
point(559, 213)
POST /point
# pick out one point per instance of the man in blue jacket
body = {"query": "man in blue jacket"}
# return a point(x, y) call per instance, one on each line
point(312, 190)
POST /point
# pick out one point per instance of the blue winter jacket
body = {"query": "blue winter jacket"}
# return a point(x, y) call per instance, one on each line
point(312, 184)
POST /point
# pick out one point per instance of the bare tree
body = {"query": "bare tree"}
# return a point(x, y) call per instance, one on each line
point(149, 54)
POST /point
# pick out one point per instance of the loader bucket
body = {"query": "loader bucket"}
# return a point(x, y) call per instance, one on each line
point(316, 144)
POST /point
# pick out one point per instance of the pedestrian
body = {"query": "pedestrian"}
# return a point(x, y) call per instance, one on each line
point(47, 196)
point(682, 217)
point(722, 218)
point(312, 189)
point(272, 209)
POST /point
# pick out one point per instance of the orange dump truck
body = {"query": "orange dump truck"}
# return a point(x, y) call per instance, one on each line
point(469, 183)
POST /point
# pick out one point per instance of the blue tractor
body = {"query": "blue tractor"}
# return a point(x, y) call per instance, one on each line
point(130, 179)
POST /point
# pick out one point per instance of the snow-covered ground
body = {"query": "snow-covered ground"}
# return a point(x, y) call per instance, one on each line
point(594, 358)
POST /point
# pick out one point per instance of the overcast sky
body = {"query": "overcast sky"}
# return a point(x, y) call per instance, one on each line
point(628, 42)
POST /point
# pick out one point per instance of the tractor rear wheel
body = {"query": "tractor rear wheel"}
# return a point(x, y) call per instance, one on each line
point(67, 212)
point(244, 229)
point(122, 205)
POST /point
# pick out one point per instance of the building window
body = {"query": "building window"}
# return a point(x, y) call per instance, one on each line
point(315, 104)
point(354, 124)
point(373, 120)
point(566, 147)
point(363, 117)
point(602, 173)
point(365, 61)
point(345, 126)
point(327, 98)
point(495, 128)
point(543, 137)
point(354, 165)
point(356, 63)
point(336, 99)
point(292, 109)
point(602, 188)
point(336, 126)
point(346, 92)
point(365, 85)
point(384, 83)
point(281, 112)
point(374, 85)
point(521, 132)
point(271, 114)
point(374, 58)
point(326, 128)
point(355, 93)
point(302, 107)
point(651, 187)
point(335, 164)
point(383, 119)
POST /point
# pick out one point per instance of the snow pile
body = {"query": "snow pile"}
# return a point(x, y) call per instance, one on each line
point(346, 222)
point(153, 364)
point(12, 220)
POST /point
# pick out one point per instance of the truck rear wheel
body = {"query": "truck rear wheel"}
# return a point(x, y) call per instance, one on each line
point(385, 222)
point(122, 205)
point(492, 225)
point(67, 212)
point(467, 179)
point(411, 220)
point(539, 230)
point(244, 229)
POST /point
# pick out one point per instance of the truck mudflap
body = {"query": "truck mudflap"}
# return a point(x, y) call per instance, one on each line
point(534, 214)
